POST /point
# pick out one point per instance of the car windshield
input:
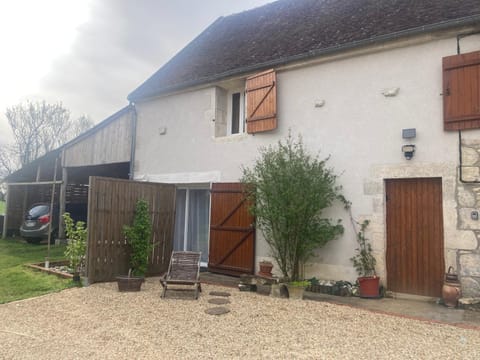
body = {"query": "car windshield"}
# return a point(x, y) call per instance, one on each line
point(38, 210)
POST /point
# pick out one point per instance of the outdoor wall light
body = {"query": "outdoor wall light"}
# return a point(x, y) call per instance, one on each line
point(408, 151)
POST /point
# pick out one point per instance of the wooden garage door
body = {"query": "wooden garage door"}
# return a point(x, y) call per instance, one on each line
point(415, 260)
point(232, 236)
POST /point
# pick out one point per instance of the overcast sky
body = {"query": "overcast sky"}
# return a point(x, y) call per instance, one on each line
point(90, 54)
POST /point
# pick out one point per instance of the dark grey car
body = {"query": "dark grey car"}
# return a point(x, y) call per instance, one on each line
point(36, 224)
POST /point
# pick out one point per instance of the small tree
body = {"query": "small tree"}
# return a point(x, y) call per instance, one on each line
point(138, 237)
point(37, 128)
point(77, 243)
point(289, 189)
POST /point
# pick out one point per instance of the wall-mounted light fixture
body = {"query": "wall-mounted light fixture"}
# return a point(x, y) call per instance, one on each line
point(408, 151)
point(409, 133)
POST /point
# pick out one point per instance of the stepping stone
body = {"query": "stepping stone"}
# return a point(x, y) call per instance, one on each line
point(219, 301)
point(219, 293)
point(218, 310)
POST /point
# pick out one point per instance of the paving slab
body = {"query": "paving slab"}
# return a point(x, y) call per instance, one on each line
point(220, 293)
point(415, 309)
point(219, 301)
point(218, 310)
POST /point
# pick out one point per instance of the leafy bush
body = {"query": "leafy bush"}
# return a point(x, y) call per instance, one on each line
point(77, 243)
point(289, 189)
point(138, 237)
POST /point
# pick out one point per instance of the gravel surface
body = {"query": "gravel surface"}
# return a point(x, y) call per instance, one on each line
point(98, 322)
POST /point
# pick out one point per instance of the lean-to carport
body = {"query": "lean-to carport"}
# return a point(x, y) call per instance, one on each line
point(105, 150)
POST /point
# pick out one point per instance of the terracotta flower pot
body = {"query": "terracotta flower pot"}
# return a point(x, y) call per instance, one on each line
point(369, 286)
point(265, 268)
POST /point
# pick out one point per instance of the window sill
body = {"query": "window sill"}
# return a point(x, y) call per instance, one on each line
point(231, 138)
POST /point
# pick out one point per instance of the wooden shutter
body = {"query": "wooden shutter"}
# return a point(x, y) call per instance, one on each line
point(232, 236)
point(261, 102)
point(461, 91)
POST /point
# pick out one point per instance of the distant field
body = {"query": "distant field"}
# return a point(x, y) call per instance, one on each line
point(2, 207)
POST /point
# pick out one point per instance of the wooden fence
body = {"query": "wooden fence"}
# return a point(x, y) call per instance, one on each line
point(111, 205)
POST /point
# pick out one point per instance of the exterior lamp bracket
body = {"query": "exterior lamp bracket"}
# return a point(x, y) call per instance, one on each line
point(408, 151)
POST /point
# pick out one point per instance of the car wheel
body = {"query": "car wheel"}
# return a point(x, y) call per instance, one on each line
point(33, 240)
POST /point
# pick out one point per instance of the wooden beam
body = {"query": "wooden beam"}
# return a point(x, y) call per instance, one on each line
point(39, 169)
point(5, 219)
point(63, 196)
point(36, 183)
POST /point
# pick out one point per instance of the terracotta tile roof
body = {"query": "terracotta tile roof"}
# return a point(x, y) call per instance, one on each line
point(288, 30)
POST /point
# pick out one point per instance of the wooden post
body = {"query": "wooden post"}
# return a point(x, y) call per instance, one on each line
point(52, 198)
point(5, 219)
point(39, 169)
point(63, 199)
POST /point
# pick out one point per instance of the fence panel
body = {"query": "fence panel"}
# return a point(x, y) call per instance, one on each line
point(111, 204)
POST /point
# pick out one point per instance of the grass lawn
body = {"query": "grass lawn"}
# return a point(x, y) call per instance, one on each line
point(19, 282)
point(2, 207)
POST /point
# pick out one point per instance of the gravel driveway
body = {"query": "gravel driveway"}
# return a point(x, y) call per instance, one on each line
point(98, 322)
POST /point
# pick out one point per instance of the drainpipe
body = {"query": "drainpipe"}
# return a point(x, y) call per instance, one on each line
point(134, 136)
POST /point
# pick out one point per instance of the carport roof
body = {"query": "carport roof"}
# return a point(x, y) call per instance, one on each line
point(28, 171)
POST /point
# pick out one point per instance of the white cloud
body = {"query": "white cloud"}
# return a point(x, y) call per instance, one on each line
point(32, 33)
point(91, 57)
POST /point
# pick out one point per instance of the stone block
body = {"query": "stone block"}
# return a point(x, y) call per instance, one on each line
point(471, 173)
point(469, 156)
point(465, 221)
point(470, 287)
point(378, 204)
point(470, 264)
point(465, 240)
point(378, 241)
point(451, 258)
point(372, 188)
point(473, 142)
point(465, 197)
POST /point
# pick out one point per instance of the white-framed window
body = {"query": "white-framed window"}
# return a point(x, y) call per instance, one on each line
point(236, 111)
point(230, 111)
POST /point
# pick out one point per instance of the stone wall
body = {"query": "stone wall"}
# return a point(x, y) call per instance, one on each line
point(468, 200)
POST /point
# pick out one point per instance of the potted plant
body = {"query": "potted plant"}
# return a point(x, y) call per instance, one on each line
point(266, 267)
point(77, 244)
point(364, 262)
point(139, 240)
point(297, 288)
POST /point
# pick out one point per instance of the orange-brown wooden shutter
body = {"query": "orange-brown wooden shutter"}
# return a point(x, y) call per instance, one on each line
point(261, 102)
point(461, 91)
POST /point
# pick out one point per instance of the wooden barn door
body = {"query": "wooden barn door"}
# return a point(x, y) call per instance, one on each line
point(232, 236)
point(415, 259)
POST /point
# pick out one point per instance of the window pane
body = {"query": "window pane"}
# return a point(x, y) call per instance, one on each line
point(198, 215)
point(235, 113)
